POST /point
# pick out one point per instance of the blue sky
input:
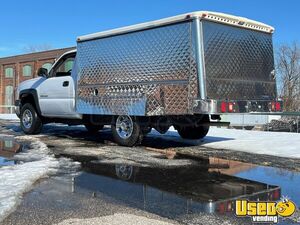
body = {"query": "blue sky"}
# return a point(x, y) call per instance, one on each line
point(59, 22)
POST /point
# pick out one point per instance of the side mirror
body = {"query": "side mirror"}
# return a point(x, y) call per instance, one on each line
point(42, 72)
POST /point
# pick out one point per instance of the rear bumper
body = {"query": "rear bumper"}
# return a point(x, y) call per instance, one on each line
point(236, 106)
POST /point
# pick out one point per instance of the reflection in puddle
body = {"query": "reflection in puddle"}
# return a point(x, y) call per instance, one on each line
point(6, 162)
point(170, 191)
point(288, 181)
point(8, 148)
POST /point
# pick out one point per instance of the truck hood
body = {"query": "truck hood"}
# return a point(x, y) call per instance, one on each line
point(30, 84)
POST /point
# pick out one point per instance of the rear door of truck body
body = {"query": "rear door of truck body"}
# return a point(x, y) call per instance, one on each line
point(238, 63)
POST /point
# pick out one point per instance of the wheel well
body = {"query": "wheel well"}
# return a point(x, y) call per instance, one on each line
point(28, 98)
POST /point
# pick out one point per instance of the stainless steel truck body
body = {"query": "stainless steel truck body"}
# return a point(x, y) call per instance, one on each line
point(182, 71)
point(188, 64)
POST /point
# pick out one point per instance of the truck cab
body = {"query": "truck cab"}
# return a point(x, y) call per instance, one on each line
point(50, 97)
point(53, 92)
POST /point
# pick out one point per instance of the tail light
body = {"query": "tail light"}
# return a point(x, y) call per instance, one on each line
point(223, 107)
point(276, 194)
point(224, 207)
point(227, 107)
point(230, 107)
point(229, 206)
point(275, 106)
point(221, 208)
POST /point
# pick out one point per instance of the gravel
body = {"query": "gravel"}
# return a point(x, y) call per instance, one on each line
point(116, 219)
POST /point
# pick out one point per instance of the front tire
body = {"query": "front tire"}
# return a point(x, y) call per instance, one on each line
point(126, 131)
point(30, 121)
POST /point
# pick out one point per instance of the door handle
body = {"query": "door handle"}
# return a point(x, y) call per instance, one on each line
point(65, 83)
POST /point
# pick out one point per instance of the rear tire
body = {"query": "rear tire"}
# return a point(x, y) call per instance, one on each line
point(93, 128)
point(194, 132)
point(30, 121)
point(127, 131)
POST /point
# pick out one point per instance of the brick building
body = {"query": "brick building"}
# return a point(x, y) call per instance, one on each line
point(15, 69)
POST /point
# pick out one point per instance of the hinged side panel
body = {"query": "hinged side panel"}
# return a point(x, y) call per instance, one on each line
point(149, 72)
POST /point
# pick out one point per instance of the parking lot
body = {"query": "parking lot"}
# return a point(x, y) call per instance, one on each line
point(165, 179)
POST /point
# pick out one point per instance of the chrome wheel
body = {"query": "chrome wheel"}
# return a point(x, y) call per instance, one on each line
point(27, 119)
point(124, 126)
point(124, 172)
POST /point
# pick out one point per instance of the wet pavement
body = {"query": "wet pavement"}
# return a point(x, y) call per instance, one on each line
point(164, 179)
point(186, 189)
point(8, 148)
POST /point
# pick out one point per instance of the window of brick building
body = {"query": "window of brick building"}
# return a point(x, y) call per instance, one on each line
point(47, 66)
point(9, 72)
point(8, 144)
point(9, 92)
point(27, 70)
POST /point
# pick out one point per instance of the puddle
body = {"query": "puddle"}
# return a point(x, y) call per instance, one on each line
point(186, 190)
point(8, 148)
point(170, 192)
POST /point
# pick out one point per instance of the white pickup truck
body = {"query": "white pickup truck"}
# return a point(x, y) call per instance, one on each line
point(184, 71)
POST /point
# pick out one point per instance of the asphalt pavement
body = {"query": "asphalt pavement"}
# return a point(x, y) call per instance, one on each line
point(164, 181)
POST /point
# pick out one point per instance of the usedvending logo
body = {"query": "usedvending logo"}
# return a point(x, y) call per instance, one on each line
point(261, 211)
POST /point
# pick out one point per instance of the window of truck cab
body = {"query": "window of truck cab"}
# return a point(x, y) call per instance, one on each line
point(64, 66)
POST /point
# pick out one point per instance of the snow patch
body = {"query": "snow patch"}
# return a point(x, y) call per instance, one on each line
point(8, 117)
point(282, 144)
point(33, 163)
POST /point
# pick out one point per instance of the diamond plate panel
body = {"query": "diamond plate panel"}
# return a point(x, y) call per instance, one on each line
point(141, 73)
point(238, 63)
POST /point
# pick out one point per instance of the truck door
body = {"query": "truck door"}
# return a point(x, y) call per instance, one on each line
point(57, 92)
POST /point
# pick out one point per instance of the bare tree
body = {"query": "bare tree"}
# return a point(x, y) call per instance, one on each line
point(288, 71)
point(37, 48)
